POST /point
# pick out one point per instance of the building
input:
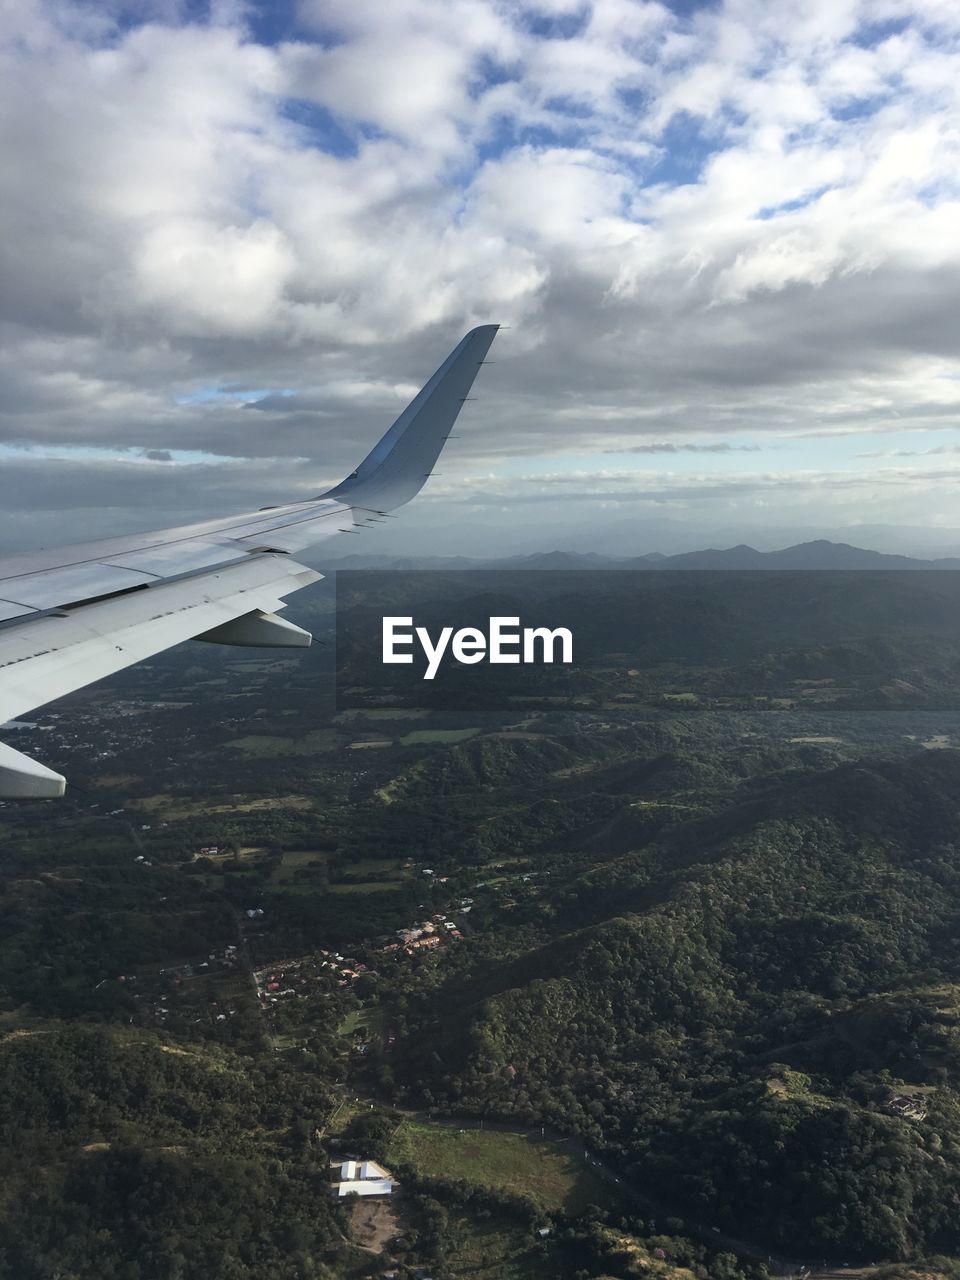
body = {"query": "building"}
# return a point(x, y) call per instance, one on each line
point(364, 1178)
point(375, 1187)
point(909, 1106)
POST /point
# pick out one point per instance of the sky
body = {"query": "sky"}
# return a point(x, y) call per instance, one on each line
point(722, 238)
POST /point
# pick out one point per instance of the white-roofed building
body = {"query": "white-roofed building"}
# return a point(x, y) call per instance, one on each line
point(367, 1187)
point(364, 1178)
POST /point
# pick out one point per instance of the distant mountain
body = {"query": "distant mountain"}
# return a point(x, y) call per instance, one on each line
point(399, 563)
point(555, 560)
point(819, 554)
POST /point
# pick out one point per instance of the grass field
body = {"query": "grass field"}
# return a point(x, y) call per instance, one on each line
point(174, 807)
point(293, 860)
point(381, 713)
point(372, 886)
point(418, 737)
point(266, 745)
point(374, 866)
point(552, 1177)
point(369, 1020)
point(179, 807)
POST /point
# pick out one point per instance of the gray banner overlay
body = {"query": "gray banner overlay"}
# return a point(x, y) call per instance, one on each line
point(505, 641)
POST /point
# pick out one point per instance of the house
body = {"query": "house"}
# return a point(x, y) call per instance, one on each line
point(909, 1106)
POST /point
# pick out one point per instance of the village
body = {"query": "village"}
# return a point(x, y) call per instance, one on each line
point(215, 988)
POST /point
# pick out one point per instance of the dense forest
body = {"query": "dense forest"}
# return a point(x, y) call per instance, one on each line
point(731, 1009)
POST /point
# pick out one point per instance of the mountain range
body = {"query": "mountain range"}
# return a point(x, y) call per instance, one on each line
point(819, 554)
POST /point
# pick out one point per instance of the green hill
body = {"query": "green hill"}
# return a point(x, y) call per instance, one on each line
point(807, 934)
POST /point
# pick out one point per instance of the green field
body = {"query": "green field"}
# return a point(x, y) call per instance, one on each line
point(418, 737)
point(294, 860)
point(372, 886)
point(542, 1171)
point(369, 1020)
point(374, 866)
point(177, 807)
point(381, 713)
point(268, 745)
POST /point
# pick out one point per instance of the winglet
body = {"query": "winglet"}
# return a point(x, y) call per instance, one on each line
point(395, 469)
point(24, 779)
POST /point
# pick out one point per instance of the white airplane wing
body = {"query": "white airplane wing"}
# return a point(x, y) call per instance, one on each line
point(72, 615)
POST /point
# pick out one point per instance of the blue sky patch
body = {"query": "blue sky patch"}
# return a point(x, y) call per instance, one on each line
point(687, 146)
point(869, 34)
point(230, 394)
point(791, 206)
point(322, 129)
point(556, 26)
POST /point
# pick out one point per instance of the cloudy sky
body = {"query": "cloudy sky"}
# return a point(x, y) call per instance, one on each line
point(235, 238)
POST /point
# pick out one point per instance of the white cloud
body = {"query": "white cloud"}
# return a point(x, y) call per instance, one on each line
point(743, 220)
point(200, 276)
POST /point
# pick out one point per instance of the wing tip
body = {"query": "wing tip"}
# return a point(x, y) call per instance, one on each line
point(22, 778)
point(395, 469)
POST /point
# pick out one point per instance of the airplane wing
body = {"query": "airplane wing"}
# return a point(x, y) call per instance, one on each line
point(72, 615)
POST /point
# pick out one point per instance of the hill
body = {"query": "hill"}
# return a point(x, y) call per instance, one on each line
point(118, 1145)
point(725, 1010)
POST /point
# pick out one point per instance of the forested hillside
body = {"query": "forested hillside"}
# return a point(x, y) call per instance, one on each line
point(136, 1156)
point(731, 1009)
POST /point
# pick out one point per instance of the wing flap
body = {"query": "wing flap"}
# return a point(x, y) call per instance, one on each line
point(176, 558)
point(55, 587)
point(10, 610)
point(43, 659)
